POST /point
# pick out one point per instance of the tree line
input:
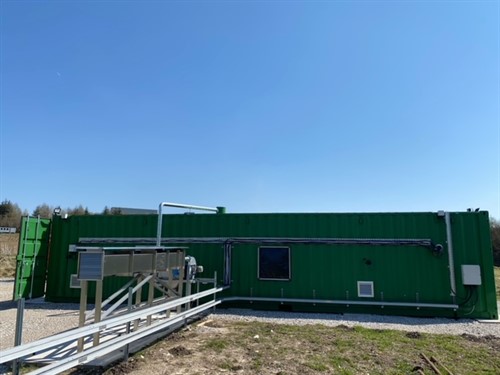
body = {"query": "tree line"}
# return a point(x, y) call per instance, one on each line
point(11, 213)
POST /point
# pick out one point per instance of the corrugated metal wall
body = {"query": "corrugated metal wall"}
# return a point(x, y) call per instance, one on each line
point(400, 273)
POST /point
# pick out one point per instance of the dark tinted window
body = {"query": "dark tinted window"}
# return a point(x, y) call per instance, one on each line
point(274, 263)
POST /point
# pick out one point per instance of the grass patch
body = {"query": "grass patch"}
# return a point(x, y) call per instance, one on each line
point(216, 344)
point(8, 251)
point(7, 266)
point(265, 348)
point(317, 363)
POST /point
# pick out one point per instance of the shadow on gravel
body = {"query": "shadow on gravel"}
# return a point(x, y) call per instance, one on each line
point(41, 305)
point(6, 305)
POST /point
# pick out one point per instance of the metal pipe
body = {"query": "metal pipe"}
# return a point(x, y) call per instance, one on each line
point(451, 263)
point(19, 332)
point(422, 242)
point(176, 205)
point(341, 302)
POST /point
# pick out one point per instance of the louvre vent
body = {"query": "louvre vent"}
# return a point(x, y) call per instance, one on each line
point(365, 289)
point(74, 283)
point(90, 265)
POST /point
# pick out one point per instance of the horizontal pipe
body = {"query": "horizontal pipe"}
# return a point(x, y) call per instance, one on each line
point(342, 302)
point(176, 205)
point(188, 206)
point(64, 337)
point(426, 242)
point(118, 343)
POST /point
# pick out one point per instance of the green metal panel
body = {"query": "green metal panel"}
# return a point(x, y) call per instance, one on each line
point(31, 258)
point(68, 231)
point(407, 274)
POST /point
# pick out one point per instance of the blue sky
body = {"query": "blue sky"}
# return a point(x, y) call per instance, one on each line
point(257, 106)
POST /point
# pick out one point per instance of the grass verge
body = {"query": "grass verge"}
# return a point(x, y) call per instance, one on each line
point(264, 348)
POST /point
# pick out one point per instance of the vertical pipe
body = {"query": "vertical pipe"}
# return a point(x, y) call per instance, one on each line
point(451, 263)
point(179, 205)
point(159, 225)
point(98, 308)
point(19, 332)
point(83, 308)
point(227, 263)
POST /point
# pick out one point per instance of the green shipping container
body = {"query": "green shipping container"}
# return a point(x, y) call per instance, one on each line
point(382, 263)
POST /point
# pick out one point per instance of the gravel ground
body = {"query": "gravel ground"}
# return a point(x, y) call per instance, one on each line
point(402, 323)
point(43, 319)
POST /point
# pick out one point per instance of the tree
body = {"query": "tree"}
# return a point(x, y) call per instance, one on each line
point(10, 214)
point(79, 210)
point(115, 211)
point(44, 211)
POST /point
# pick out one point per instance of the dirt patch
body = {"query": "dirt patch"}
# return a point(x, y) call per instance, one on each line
point(124, 367)
point(179, 351)
point(414, 335)
point(491, 341)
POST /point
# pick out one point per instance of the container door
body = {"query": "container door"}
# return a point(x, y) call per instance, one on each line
point(32, 256)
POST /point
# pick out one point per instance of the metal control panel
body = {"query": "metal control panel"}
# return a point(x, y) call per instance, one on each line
point(471, 274)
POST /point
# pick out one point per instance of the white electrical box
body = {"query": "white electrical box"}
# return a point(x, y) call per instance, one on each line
point(471, 274)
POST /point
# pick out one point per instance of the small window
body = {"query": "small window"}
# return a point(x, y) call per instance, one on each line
point(365, 289)
point(274, 263)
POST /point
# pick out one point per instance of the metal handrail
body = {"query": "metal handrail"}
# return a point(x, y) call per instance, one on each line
point(42, 345)
point(110, 346)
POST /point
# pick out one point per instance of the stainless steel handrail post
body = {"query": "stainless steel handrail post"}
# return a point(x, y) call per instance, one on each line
point(19, 332)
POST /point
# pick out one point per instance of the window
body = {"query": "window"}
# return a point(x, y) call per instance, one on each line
point(274, 263)
point(365, 289)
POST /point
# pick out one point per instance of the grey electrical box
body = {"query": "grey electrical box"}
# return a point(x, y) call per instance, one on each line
point(471, 274)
